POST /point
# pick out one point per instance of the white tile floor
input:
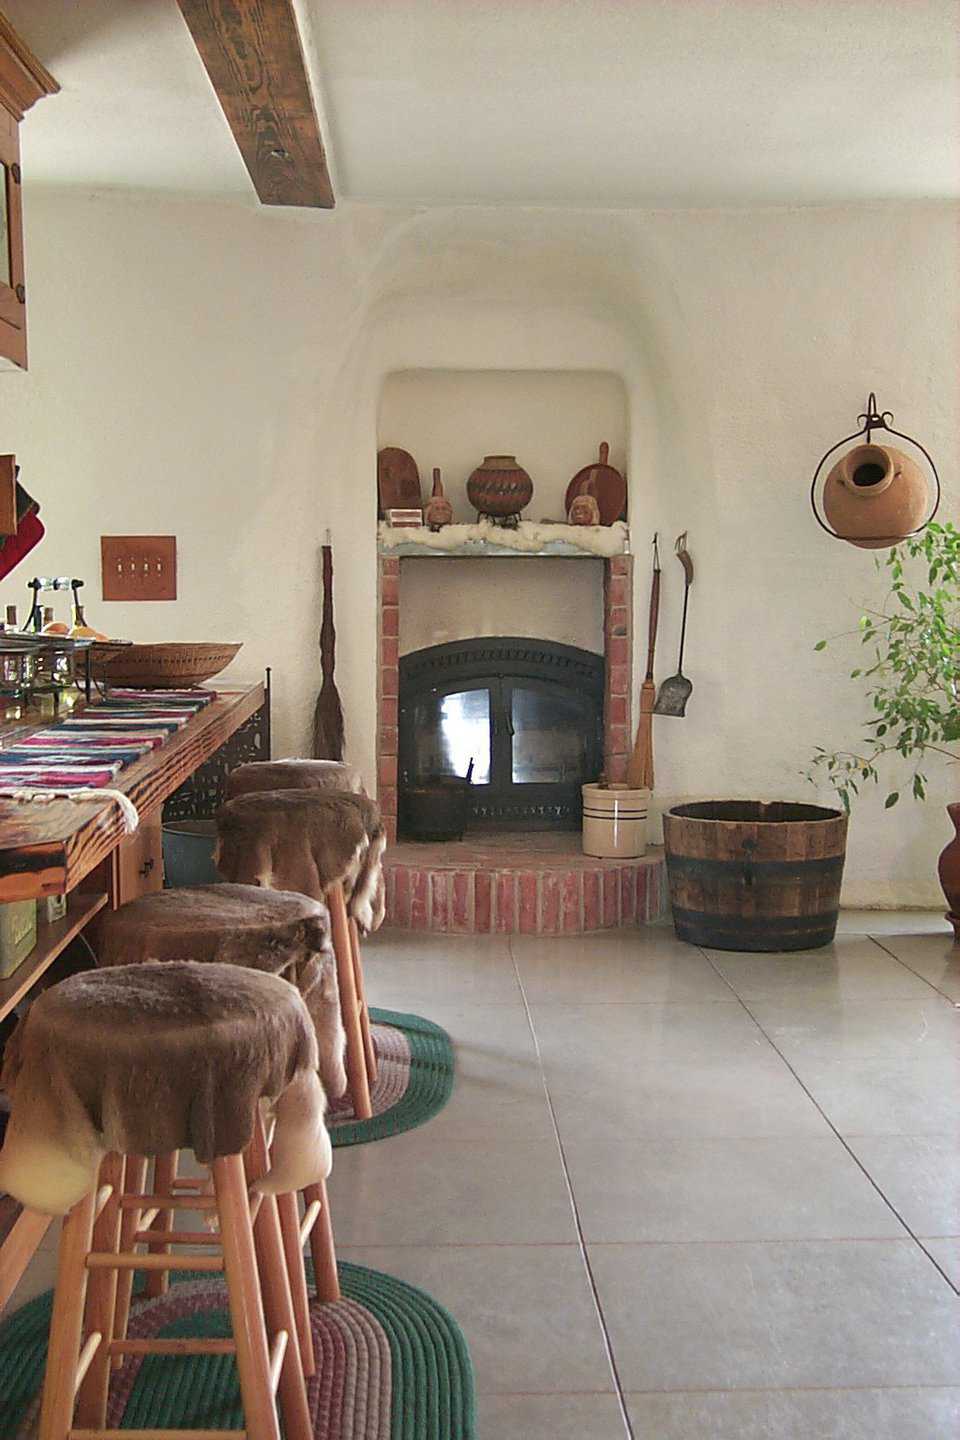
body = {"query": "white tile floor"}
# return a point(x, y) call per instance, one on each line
point(682, 1196)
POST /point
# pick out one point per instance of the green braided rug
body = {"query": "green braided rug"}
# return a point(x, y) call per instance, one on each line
point(415, 1079)
point(391, 1365)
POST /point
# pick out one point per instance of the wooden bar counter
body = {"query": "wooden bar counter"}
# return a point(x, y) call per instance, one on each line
point(81, 849)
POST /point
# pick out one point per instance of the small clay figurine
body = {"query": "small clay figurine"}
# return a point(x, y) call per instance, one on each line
point(439, 511)
point(584, 510)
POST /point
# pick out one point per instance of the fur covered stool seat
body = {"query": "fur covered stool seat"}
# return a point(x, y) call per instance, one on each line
point(279, 932)
point(119, 1064)
point(327, 844)
point(294, 775)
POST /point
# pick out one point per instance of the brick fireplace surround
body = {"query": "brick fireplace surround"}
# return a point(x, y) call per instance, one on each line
point(528, 884)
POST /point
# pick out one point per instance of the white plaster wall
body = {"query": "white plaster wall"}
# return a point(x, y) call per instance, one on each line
point(215, 371)
point(553, 422)
point(442, 600)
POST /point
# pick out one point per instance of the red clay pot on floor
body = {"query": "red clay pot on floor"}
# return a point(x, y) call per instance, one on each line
point(949, 870)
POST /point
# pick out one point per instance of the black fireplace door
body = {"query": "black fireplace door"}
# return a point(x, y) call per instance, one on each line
point(527, 714)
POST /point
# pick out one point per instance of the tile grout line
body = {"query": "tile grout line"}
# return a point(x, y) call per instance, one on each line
point(954, 1005)
point(578, 1225)
point(826, 1118)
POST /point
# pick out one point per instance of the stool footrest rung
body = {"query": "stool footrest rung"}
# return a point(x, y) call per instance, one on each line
point(310, 1217)
point(173, 1347)
point(156, 1435)
point(109, 1260)
point(177, 1237)
point(169, 1202)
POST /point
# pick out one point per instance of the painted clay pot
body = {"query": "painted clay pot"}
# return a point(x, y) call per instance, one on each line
point(948, 868)
point(439, 511)
point(875, 496)
point(584, 510)
point(499, 487)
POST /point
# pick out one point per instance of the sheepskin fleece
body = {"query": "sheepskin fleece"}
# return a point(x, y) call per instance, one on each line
point(145, 1059)
point(306, 840)
point(294, 775)
point(279, 932)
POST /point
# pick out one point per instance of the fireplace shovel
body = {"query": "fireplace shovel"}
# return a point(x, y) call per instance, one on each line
point(676, 691)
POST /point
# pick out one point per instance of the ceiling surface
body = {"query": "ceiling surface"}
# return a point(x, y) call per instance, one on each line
point(600, 103)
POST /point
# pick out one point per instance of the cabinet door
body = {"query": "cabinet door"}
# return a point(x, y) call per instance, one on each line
point(13, 306)
point(140, 861)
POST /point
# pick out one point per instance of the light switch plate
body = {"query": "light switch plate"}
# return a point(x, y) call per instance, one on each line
point(139, 567)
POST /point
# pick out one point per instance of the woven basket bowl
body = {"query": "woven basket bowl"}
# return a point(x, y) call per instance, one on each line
point(163, 667)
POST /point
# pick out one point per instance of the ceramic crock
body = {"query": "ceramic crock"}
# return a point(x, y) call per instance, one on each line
point(875, 496)
point(499, 486)
point(614, 821)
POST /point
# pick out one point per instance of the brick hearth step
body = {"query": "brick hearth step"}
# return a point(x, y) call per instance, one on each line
point(520, 884)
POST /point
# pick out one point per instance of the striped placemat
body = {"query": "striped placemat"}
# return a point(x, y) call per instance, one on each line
point(88, 751)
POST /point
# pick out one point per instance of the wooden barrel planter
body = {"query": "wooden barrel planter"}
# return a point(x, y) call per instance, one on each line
point(745, 875)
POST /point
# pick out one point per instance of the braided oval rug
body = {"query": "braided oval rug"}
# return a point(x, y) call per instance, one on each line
point(392, 1364)
point(414, 1080)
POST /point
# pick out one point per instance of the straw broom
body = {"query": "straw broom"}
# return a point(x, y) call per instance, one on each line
point(640, 768)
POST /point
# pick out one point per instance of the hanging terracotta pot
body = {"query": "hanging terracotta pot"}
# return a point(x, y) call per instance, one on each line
point(499, 487)
point(875, 496)
point(439, 511)
point(949, 871)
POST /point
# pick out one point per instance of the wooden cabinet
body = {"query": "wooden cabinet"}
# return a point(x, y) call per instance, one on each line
point(23, 81)
point(138, 861)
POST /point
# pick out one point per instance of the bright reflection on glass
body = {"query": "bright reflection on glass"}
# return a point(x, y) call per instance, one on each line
point(447, 742)
point(548, 744)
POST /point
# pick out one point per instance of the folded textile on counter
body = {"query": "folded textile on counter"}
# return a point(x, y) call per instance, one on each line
point(88, 751)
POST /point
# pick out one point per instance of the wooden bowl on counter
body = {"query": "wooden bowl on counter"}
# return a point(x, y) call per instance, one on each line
point(161, 667)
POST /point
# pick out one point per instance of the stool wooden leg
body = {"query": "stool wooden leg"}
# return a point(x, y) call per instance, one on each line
point(322, 1249)
point(369, 1049)
point(102, 1301)
point(275, 1287)
point(246, 1305)
point(296, 1271)
point(356, 1060)
point(164, 1175)
point(134, 1180)
point(66, 1322)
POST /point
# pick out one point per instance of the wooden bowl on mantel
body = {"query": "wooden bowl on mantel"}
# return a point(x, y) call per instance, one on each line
point(163, 667)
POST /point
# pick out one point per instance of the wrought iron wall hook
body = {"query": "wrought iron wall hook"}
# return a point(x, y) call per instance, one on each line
point(874, 419)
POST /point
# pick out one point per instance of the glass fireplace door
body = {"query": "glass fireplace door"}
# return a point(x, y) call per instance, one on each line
point(528, 713)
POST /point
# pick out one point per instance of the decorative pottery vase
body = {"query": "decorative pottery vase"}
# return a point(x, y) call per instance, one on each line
point(439, 511)
point(500, 488)
point(875, 496)
point(948, 868)
point(584, 510)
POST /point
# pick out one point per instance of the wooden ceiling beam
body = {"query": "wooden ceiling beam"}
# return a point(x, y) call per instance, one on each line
point(252, 53)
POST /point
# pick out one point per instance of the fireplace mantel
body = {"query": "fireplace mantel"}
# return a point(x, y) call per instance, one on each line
point(529, 539)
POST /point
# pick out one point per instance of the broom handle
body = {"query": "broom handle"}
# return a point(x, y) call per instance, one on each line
point(654, 619)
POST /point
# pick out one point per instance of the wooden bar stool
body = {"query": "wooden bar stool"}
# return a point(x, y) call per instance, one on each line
point(326, 844)
point(275, 931)
point(330, 775)
point(166, 1056)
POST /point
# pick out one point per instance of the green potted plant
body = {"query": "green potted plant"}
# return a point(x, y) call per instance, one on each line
point(912, 678)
